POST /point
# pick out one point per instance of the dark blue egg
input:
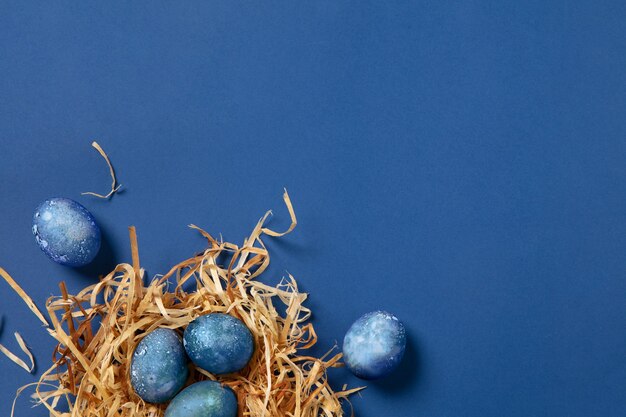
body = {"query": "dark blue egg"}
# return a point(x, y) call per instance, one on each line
point(66, 232)
point(204, 399)
point(159, 366)
point(218, 343)
point(374, 345)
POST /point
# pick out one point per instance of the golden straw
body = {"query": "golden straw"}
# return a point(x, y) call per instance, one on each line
point(98, 329)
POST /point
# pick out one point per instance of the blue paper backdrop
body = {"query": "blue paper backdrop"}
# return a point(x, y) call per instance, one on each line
point(461, 164)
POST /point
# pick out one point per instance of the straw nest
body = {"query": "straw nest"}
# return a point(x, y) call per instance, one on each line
point(98, 329)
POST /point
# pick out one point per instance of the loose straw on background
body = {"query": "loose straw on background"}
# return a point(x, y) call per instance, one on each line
point(114, 185)
point(15, 358)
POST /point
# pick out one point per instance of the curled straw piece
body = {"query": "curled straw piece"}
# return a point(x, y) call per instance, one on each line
point(13, 357)
point(292, 214)
point(98, 329)
point(114, 185)
point(20, 341)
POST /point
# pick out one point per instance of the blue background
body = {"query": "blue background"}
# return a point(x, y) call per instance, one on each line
point(461, 164)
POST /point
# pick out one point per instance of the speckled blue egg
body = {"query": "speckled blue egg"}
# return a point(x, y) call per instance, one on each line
point(374, 345)
point(204, 399)
point(159, 366)
point(66, 232)
point(218, 343)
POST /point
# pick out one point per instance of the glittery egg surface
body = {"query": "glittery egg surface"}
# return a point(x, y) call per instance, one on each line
point(158, 368)
point(66, 232)
point(218, 343)
point(204, 399)
point(374, 345)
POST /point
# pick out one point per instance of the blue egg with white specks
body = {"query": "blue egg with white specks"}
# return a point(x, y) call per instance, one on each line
point(158, 368)
point(218, 343)
point(204, 399)
point(66, 232)
point(374, 345)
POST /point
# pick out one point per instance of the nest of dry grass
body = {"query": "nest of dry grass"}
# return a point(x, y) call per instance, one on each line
point(98, 329)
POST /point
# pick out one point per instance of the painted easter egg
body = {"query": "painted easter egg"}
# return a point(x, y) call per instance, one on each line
point(204, 399)
point(218, 343)
point(374, 345)
point(159, 366)
point(66, 232)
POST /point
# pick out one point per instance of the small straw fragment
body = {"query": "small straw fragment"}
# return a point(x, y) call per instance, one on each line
point(114, 185)
point(29, 301)
point(15, 359)
point(292, 214)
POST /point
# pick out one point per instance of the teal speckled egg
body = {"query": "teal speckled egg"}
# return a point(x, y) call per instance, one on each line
point(66, 232)
point(218, 343)
point(374, 345)
point(204, 399)
point(158, 369)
